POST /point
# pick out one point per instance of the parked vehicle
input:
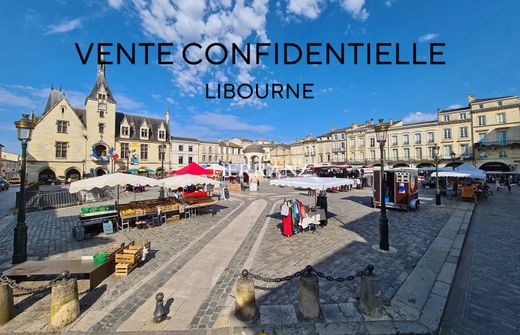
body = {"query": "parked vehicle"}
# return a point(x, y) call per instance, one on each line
point(4, 184)
point(15, 181)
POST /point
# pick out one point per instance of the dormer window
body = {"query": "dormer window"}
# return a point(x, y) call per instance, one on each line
point(62, 110)
point(446, 118)
point(162, 134)
point(144, 133)
point(101, 96)
point(125, 131)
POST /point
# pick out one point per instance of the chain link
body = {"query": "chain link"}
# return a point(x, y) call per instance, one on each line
point(4, 280)
point(309, 269)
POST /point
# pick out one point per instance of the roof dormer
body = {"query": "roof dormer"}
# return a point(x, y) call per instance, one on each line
point(161, 133)
point(124, 130)
point(144, 131)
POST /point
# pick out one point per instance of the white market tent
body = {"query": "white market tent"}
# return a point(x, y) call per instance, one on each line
point(111, 180)
point(186, 180)
point(453, 174)
point(471, 170)
point(216, 167)
point(314, 183)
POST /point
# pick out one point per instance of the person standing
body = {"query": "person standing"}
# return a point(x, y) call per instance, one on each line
point(508, 184)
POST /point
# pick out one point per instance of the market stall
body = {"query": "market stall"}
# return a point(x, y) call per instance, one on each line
point(401, 188)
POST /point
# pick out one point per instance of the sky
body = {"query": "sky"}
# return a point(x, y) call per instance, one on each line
point(482, 54)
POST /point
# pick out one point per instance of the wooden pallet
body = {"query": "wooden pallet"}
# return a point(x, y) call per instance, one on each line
point(122, 270)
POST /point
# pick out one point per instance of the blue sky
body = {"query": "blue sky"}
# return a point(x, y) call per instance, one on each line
point(38, 50)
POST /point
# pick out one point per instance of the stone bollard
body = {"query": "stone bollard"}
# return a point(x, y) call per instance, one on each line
point(370, 302)
point(64, 301)
point(309, 298)
point(159, 313)
point(245, 302)
point(6, 304)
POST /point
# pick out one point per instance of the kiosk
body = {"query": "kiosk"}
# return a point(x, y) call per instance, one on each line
point(401, 186)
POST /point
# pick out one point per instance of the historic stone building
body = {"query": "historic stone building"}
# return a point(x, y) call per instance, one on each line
point(9, 164)
point(72, 142)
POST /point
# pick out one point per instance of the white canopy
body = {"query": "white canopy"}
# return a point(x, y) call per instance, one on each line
point(216, 167)
point(451, 174)
point(186, 180)
point(315, 183)
point(471, 170)
point(111, 180)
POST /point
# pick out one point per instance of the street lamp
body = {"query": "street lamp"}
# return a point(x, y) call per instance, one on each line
point(162, 151)
point(381, 130)
point(453, 156)
point(435, 153)
point(24, 128)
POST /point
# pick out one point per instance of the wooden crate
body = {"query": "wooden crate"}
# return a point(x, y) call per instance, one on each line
point(173, 218)
point(128, 258)
point(122, 270)
point(139, 245)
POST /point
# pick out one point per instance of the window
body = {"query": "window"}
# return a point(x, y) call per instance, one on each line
point(210, 150)
point(162, 134)
point(124, 150)
point(210, 158)
point(144, 132)
point(431, 137)
point(62, 126)
point(144, 151)
point(353, 143)
point(447, 151)
point(181, 148)
point(501, 118)
point(481, 106)
point(62, 110)
point(394, 140)
point(464, 150)
point(372, 142)
point(372, 155)
point(483, 154)
point(101, 96)
point(361, 142)
point(101, 127)
point(502, 137)
point(353, 156)
point(335, 137)
point(61, 149)
point(463, 116)
point(101, 113)
point(418, 153)
point(125, 131)
point(499, 103)
point(446, 118)
point(482, 138)
point(463, 132)
point(406, 139)
point(447, 133)
point(502, 154)
point(190, 160)
point(406, 153)
point(181, 160)
point(431, 153)
point(362, 156)
point(342, 136)
point(395, 154)
point(482, 120)
point(418, 138)
point(190, 148)
point(203, 158)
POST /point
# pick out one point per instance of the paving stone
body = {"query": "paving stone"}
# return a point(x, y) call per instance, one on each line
point(350, 311)
point(337, 328)
point(332, 313)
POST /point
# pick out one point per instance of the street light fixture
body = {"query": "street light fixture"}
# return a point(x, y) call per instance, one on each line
point(381, 130)
point(435, 152)
point(453, 156)
point(24, 128)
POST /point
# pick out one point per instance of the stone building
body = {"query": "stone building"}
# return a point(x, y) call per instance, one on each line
point(72, 142)
point(9, 164)
point(185, 150)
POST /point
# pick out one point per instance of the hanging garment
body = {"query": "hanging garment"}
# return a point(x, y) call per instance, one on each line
point(285, 210)
point(287, 224)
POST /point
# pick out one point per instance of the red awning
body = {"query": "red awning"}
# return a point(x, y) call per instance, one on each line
point(193, 168)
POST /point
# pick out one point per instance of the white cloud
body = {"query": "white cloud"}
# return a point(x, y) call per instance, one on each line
point(64, 26)
point(427, 37)
point(115, 3)
point(454, 106)
point(419, 117)
point(355, 8)
point(12, 99)
point(311, 9)
point(388, 3)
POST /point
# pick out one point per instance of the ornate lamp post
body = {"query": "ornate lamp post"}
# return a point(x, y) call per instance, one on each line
point(381, 130)
point(162, 151)
point(435, 152)
point(24, 128)
point(453, 156)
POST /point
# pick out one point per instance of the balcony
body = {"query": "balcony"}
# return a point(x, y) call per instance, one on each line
point(497, 144)
point(338, 149)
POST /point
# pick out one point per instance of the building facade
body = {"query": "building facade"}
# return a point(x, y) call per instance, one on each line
point(70, 142)
point(9, 165)
point(185, 150)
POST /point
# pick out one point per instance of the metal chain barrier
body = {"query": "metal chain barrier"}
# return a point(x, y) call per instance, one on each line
point(4, 280)
point(309, 269)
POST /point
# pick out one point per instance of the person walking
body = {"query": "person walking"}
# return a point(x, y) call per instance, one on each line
point(508, 184)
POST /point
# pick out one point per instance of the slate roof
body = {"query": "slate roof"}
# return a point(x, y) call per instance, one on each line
point(497, 98)
point(80, 112)
point(101, 80)
point(55, 96)
point(254, 148)
point(184, 139)
point(135, 122)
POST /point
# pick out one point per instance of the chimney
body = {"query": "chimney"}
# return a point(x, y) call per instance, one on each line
point(438, 110)
point(333, 129)
point(471, 98)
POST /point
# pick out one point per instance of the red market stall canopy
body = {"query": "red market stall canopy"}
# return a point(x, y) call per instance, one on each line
point(194, 169)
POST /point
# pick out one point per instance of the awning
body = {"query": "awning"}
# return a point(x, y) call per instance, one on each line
point(186, 180)
point(193, 169)
point(111, 180)
point(452, 174)
point(315, 183)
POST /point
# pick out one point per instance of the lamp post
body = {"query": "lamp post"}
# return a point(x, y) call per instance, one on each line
point(162, 151)
point(381, 130)
point(435, 152)
point(453, 156)
point(24, 128)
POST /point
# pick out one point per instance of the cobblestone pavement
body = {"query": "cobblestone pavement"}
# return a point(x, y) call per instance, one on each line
point(7, 200)
point(484, 298)
point(344, 247)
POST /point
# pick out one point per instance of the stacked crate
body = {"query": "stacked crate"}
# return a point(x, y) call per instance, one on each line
point(129, 257)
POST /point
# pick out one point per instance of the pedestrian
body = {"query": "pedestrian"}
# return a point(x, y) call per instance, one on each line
point(258, 184)
point(497, 184)
point(508, 184)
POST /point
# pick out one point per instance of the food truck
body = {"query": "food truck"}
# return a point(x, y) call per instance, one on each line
point(401, 188)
